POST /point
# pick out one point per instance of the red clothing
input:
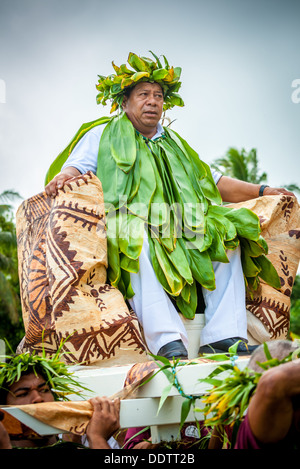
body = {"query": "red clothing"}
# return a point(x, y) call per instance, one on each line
point(189, 433)
point(246, 440)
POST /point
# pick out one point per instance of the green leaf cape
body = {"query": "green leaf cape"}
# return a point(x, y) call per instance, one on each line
point(162, 188)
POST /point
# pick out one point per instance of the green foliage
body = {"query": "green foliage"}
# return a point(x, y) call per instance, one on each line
point(159, 176)
point(170, 370)
point(245, 166)
point(240, 165)
point(228, 399)
point(58, 375)
point(11, 326)
point(295, 307)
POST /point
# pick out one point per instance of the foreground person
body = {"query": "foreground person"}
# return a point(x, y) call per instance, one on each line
point(273, 417)
point(143, 166)
point(35, 385)
point(258, 406)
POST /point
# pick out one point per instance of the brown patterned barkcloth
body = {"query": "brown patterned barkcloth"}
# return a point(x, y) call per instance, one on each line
point(62, 253)
point(280, 222)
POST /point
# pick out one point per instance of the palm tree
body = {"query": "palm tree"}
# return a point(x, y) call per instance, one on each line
point(240, 165)
point(244, 166)
point(9, 281)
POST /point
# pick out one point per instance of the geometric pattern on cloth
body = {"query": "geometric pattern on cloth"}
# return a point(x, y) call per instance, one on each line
point(62, 257)
point(280, 223)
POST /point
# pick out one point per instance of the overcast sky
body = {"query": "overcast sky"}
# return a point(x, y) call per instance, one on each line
point(239, 59)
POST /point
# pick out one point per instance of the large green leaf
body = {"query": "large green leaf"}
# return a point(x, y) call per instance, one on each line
point(137, 63)
point(59, 161)
point(116, 184)
point(246, 222)
point(131, 235)
point(201, 267)
point(164, 394)
point(192, 208)
point(188, 308)
point(122, 142)
point(179, 260)
point(157, 267)
point(268, 272)
point(172, 276)
point(141, 202)
point(185, 409)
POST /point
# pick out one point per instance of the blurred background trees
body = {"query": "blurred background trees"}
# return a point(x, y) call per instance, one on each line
point(11, 324)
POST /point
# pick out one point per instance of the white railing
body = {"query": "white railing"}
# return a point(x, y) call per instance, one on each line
point(141, 411)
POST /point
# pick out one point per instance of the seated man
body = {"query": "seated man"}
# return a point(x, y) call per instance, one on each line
point(37, 384)
point(273, 416)
point(136, 158)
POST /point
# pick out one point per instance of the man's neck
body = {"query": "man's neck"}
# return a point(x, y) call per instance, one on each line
point(149, 135)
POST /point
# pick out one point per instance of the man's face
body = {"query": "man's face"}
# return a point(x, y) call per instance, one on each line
point(144, 107)
point(30, 389)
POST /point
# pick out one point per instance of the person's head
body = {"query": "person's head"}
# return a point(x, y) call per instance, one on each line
point(282, 352)
point(144, 107)
point(266, 358)
point(28, 378)
point(31, 388)
point(277, 349)
point(145, 72)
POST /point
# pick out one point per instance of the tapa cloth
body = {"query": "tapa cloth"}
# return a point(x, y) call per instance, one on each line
point(62, 255)
point(269, 309)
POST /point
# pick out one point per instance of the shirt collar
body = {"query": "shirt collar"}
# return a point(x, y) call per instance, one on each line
point(159, 131)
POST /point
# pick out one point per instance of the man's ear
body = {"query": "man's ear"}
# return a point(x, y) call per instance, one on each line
point(124, 102)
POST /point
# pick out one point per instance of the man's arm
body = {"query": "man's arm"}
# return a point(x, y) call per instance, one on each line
point(234, 191)
point(271, 411)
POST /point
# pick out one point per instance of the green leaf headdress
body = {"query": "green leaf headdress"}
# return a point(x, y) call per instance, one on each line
point(57, 374)
point(114, 86)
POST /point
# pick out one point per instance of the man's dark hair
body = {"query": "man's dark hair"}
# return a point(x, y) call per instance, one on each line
point(4, 390)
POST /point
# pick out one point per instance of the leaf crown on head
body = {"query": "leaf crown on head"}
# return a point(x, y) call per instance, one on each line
point(57, 374)
point(114, 86)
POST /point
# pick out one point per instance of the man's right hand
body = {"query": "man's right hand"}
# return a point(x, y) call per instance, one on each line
point(60, 179)
point(104, 423)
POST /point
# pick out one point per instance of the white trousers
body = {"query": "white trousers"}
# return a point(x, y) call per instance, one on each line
point(225, 311)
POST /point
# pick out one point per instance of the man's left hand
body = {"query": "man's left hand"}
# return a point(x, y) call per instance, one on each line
point(278, 191)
